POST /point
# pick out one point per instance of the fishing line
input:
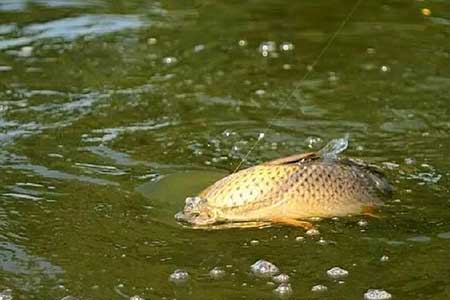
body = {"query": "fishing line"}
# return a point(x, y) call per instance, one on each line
point(309, 71)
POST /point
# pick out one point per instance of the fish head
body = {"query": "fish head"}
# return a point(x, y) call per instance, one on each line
point(196, 212)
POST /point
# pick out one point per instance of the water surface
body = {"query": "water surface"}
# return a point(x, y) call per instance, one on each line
point(112, 112)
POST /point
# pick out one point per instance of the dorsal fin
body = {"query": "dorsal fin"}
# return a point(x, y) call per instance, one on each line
point(296, 158)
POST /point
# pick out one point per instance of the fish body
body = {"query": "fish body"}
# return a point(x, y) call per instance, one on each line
point(298, 187)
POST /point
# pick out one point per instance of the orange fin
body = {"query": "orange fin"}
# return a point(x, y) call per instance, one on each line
point(292, 222)
point(293, 159)
point(370, 212)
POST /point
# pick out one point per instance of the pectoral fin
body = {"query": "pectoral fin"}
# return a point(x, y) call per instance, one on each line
point(292, 222)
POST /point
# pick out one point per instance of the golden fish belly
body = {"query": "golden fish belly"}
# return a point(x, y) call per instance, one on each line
point(314, 189)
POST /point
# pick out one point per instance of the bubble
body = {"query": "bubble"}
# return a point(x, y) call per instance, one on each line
point(227, 132)
point(410, 161)
point(179, 276)
point(261, 135)
point(332, 77)
point(26, 51)
point(136, 297)
point(260, 92)
point(266, 47)
point(282, 278)
point(312, 232)
point(337, 273)
point(254, 242)
point(376, 294)
point(284, 290)
point(263, 268)
point(384, 258)
point(286, 46)
point(242, 43)
point(6, 294)
point(169, 60)
point(287, 67)
point(371, 50)
point(363, 223)
point(152, 41)
point(322, 241)
point(299, 239)
point(311, 141)
point(319, 288)
point(5, 68)
point(199, 48)
point(217, 273)
point(385, 68)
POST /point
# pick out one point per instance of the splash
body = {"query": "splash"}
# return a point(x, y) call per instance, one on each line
point(334, 147)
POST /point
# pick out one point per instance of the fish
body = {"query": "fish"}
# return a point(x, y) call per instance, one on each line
point(291, 190)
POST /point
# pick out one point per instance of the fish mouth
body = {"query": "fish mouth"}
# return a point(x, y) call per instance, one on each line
point(193, 219)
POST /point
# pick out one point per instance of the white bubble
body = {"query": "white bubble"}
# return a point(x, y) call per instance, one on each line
point(371, 51)
point(199, 48)
point(410, 161)
point(299, 239)
point(263, 268)
point(322, 241)
point(332, 77)
point(283, 290)
point(363, 223)
point(311, 141)
point(242, 43)
point(261, 135)
point(169, 60)
point(254, 242)
point(6, 294)
point(217, 273)
point(319, 288)
point(282, 278)
point(384, 258)
point(136, 297)
point(227, 132)
point(287, 67)
point(287, 46)
point(5, 68)
point(312, 232)
point(260, 92)
point(179, 276)
point(266, 47)
point(26, 51)
point(385, 68)
point(152, 41)
point(376, 294)
point(337, 273)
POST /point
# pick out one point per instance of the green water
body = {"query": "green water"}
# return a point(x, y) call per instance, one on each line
point(112, 112)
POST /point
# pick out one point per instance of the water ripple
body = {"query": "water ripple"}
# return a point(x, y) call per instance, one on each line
point(74, 27)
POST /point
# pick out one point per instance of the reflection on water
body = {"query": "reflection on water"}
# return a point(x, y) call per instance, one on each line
point(113, 112)
point(21, 5)
point(72, 28)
